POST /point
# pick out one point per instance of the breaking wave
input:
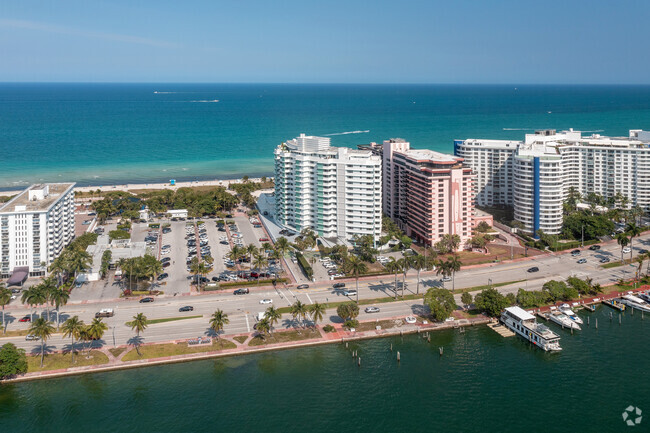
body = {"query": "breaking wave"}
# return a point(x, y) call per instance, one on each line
point(347, 132)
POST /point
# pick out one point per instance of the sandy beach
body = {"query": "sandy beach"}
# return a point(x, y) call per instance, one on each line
point(155, 186)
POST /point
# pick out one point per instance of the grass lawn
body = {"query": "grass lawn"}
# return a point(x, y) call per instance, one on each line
point(56, 361)
point(371, 326)
point(171, 319)
point(612, 265)
point(171, 349)
point(14, 333)
point(240, 338)
point(285, 336)
point(486, 286)
point(284, 310)
point(117, 351)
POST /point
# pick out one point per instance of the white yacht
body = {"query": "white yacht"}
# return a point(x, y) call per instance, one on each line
point(523, 323)
point(635, 302)
point(566, 309)
point(562, 319)
point(645, 296)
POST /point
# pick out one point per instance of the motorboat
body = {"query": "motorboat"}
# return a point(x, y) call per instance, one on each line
point(635, 302)
point(566, 309)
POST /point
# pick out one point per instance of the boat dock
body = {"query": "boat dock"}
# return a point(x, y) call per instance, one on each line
point(614, 304)
point(500, 329)
point(589, 307)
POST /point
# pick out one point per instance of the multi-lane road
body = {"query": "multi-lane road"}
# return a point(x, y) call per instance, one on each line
point(243, 309)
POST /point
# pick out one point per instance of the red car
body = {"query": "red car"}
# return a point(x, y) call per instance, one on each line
point(254, 275)
point(264, 239)
point(26, 319)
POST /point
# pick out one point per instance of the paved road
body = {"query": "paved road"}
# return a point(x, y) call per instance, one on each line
point(243, 309)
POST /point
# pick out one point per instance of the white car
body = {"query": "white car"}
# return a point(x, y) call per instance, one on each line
point(627, 250)
point(266, 301)
point(164, 252)
point(410, 319)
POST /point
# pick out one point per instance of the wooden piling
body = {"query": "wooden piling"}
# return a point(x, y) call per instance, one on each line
point(398, 357)
point(619, 319)
point(441, 350)
point(596, 322)
point(587, 320)
point(359, 362)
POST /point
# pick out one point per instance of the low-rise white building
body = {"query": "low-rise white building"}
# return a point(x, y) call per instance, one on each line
point(35, 226)
point(177, 213)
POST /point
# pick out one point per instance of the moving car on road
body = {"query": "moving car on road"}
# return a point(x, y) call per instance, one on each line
point(26, 319)
point(146, 300)
point(31, 337)
point(303, 286)
point(533, 269)
point(372, 309)
point(350, 292)
point(241, 292)
point(266, 301)
point(104, 312)
point(338, 285)
point(186, 308)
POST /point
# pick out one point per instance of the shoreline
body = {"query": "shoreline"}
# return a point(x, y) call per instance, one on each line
point(153, 186)
point(339, 336)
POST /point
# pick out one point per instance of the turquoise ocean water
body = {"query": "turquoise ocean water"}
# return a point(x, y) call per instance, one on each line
point(483, 383)
point(99, 134)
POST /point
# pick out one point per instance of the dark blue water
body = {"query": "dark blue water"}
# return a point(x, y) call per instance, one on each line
point(116, 133)
point(482, 383)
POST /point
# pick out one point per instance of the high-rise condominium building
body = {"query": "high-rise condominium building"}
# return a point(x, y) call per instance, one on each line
point(335, 191)
point(35, 226)
point(535, 175)
point(428, 194)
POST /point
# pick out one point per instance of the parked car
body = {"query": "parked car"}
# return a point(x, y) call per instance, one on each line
point(166, 230)
point(186, 308)
point(594, 247)
point(223, 242)
point(643, 251)
point(533, 269)
point(575, 252)
point(582, 261)
point(243, 291)
point(146, 300)
point(303, 286)
point(26, 319)
point(166, 259)
point(446, 279)
point(216, 279)
point(166, 264)
point(264, 239)
point(627, 250)
point(372, 310)
point(162, 276)
point(604, 260)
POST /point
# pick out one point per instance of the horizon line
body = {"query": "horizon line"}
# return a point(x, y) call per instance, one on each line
point(331, 83)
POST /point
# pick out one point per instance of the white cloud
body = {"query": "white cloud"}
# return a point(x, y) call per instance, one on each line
point(43, 27)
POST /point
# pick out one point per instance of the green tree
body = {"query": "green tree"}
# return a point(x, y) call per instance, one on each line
point(217, 321)
point(42, 329)
point(59, 296)
point(404, 266)
point(273, 315)
point(299, 311)
point(251, 250)
point(12, 361)
point(263, 327)
point(393, 267)
point(151, 268)
point(97, 329)
point(139, 324)
point(441, 303)
point(491, 302)
point(623, 241)
point(73, 328)
point(454, 265)
point(348, 311)
point(317, 311)
point(466, 298)
point(5, 298)
point(355, 267)
point(632, 231)
point(33, 296)
point(418, 263)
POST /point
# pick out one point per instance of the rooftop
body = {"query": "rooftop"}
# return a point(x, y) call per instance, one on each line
point(431, 155)
point(37, 198)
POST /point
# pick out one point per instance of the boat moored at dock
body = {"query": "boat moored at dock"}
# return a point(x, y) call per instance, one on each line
point(567, 311)
point(561, 319)
point(635, 302)
point(523, 323)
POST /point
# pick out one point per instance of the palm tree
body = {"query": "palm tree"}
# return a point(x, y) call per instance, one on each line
point(264, 327)
point(632, 231)
point(430, 256)
point(139, 324)
point(393, 268)
point(218, 320)
point(199, 269)
point(260, 262)
point(73, 328)
point(404, 266)
point(79, 261)
point(454, 266)
point(298, 310)
point(282, 246)
point(33, 296)
point(623, 241)
point(48, 286)
point(5, 298)
point(356, 267)
point(152, 268)
point(419, 262)
point(266, 247)
point(42, 329)
point(272, 315)
point(251, 250)
point(59, 296)
point(97, 328)
point(317, 310)
point(442, 268)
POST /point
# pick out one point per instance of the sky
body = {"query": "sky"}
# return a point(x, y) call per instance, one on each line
point(325, 41)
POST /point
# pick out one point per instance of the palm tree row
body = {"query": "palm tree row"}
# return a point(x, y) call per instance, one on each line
point(298, 311)
point(45, 293)
point(71, 262)
point(140, 267)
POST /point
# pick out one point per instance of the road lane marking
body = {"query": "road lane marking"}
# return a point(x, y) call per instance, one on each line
point(248, 326)
point(310, 301)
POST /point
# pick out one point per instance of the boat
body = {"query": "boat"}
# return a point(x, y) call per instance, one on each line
point(563, 320)
point(524, 324)
point(635, 302)
point(645, 296)
point(566, 309)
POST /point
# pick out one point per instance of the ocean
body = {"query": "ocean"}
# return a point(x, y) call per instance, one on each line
point(102, 134)
point(482, 383)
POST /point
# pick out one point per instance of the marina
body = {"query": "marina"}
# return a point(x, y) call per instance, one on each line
point(613, 303)
point(635, 302)
point(523, 323)
point(561, 319)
